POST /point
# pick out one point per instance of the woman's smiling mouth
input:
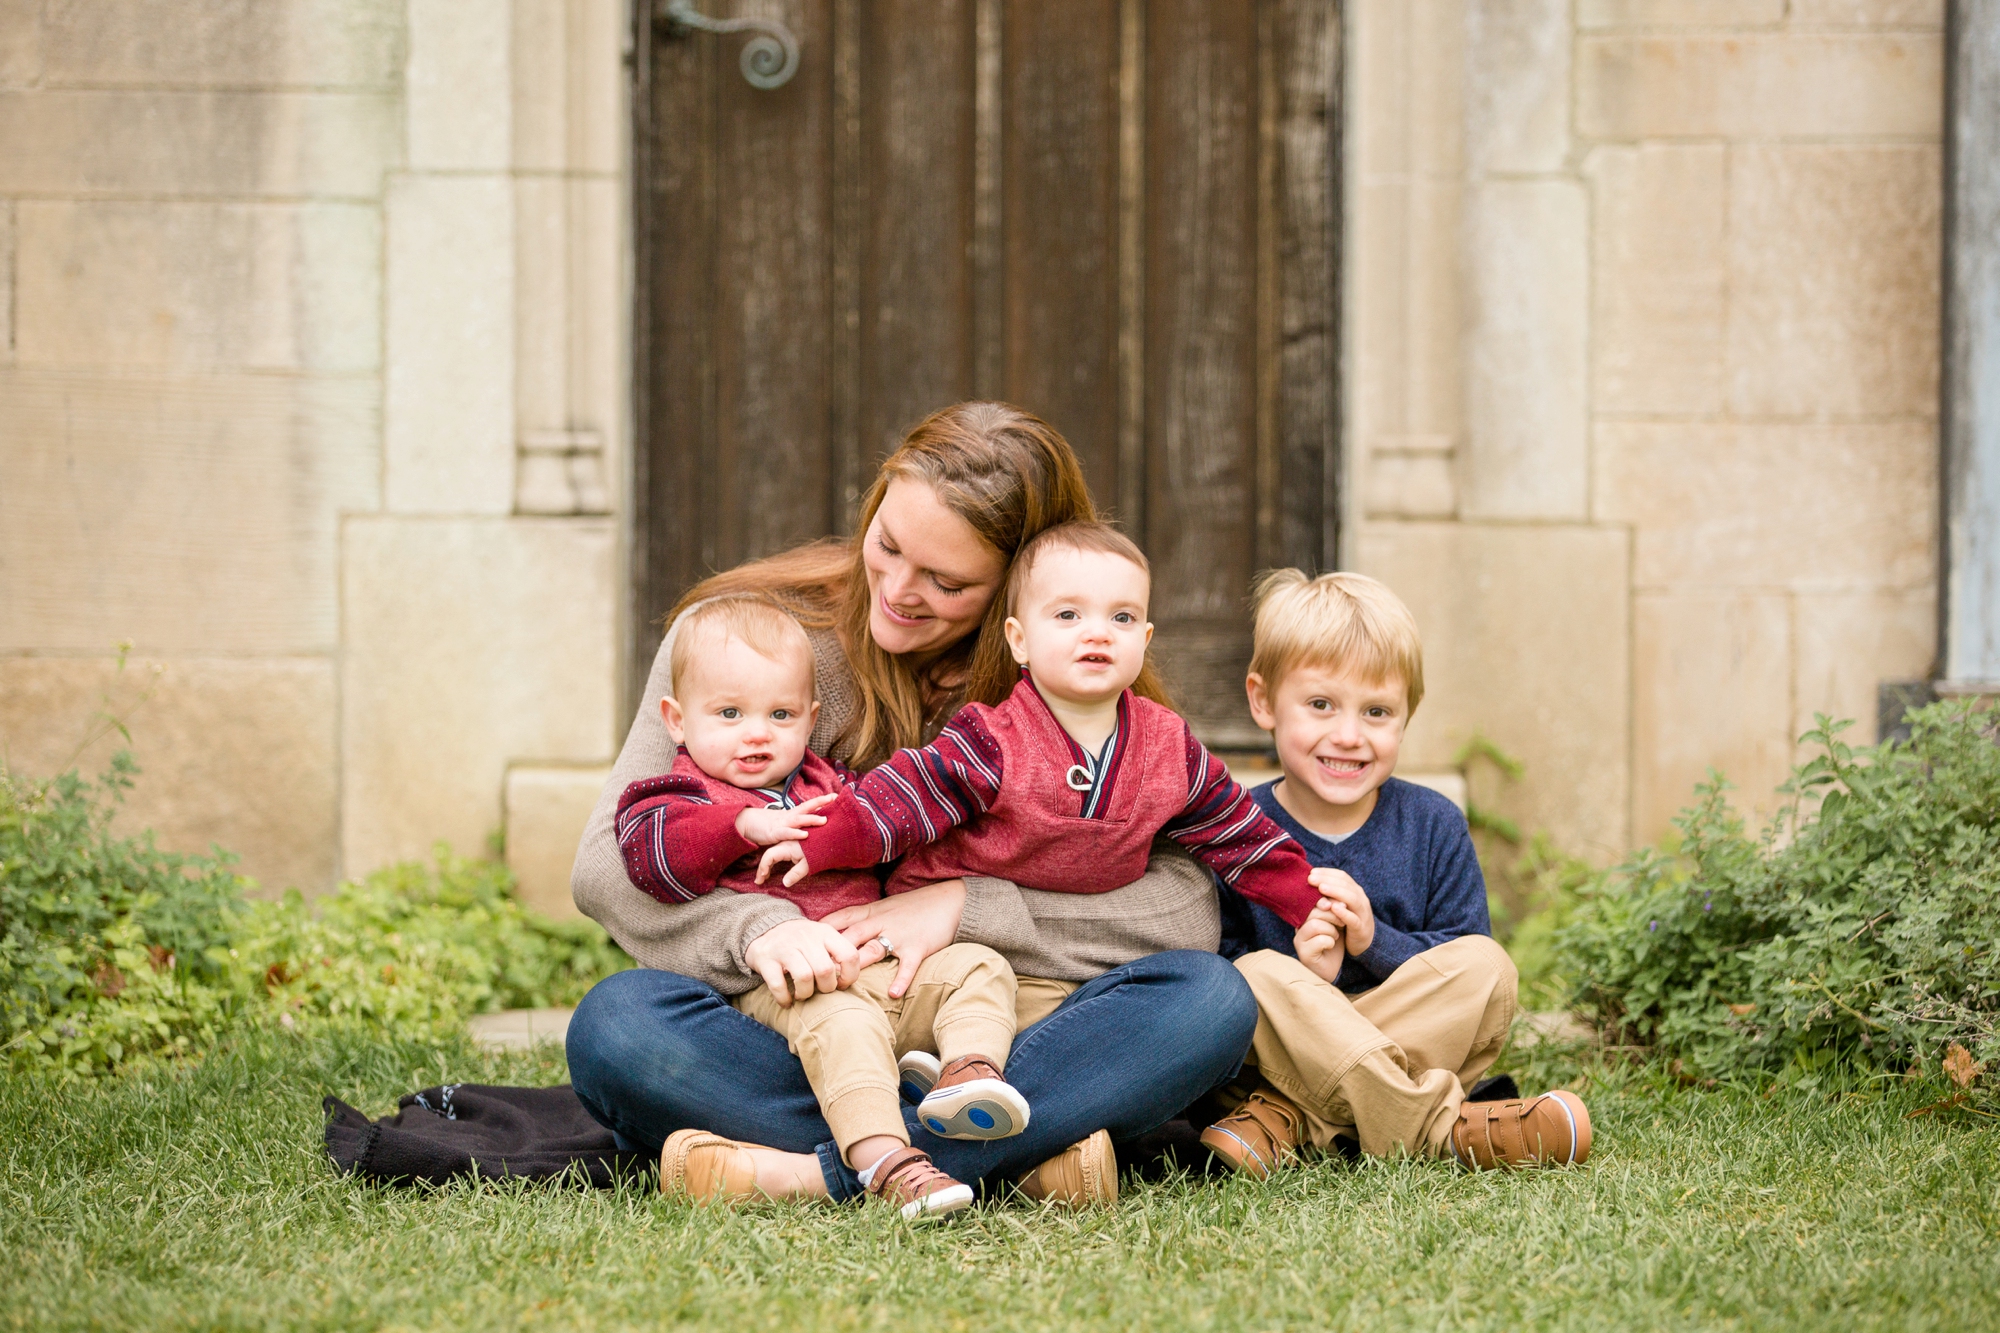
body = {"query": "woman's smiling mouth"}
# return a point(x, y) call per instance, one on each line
point(900, 617)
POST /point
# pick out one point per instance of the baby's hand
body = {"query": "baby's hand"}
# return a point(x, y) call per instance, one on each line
point(765, 828)
point(1321, 945)
point(779, 853)
point(1348, 902)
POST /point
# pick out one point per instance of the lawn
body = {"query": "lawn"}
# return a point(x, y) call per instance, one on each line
point(202, 1199)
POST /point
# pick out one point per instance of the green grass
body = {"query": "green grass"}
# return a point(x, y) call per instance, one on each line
point(202, 1199)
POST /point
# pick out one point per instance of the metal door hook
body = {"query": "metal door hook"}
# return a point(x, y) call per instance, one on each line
point(769, 59)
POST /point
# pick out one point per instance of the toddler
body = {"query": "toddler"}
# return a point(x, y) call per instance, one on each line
point(1064, 785)
point(741, 710)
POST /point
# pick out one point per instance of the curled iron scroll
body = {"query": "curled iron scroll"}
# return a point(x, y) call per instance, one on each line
point(769, 59)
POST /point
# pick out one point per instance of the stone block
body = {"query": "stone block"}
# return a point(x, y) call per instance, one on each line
point(1712, 688)
point(1736, 86)
point(470, 644)
point(1868, 14)
point(1517, 85)
point(1679, 13)
point(571, 333)
point(22, 38)
point(7, 266)
point(1411, 477)
point(459, 87)
point(188, 515)
point(1525, 641)
point(197, 286)
point(1408, 86)
point(1846, 644)
point(1376, 261)
point(569, 83)
point(234, 44)
point(546, 810)
point(449, 424)
point(232, 751)
point(1659, 257)
point(1833, 280)
point(1764, 506)
point(1526, 351)
point(180, 144)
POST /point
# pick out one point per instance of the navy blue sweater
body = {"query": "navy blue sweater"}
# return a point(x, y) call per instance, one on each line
point(1413, 858)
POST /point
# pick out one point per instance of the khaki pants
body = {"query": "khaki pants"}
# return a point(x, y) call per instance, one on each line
point(963, 1002)
point(1390, 1066)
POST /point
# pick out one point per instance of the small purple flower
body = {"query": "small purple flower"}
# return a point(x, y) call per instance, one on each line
point(1708, 907)
point(1654, 926)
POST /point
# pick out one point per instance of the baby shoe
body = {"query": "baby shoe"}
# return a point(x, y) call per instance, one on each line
point(1259, 1135)
point(916, 1072)
point(908, 1179)
point(972, 1099)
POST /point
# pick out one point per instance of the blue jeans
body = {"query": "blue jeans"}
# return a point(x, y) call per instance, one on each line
point(652, 1052)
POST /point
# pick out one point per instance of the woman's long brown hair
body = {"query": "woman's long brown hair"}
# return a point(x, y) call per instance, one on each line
point(1009, 475)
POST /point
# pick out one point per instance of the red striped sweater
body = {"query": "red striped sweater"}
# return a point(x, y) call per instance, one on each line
point(1005, 791)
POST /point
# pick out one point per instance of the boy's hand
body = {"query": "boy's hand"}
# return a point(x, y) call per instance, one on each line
point(1348, 903)
point(779, 853)
point(766, 828)
point(1321, 946)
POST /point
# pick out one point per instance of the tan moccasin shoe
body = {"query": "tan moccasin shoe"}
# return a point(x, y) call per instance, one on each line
point(1085, 1173)
point(1259, 1136)
point(1550, 1130)
point(707, 1167)
point(909, 1180)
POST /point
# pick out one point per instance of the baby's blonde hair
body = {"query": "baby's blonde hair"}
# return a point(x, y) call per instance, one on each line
point(1343, 622)
point(759, 622)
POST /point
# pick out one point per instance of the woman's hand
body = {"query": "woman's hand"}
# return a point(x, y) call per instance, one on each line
point(801, 958)
point(918, 924)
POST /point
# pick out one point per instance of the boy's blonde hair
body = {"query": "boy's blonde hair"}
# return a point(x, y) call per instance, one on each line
point(757, 621)
point(1343, 622)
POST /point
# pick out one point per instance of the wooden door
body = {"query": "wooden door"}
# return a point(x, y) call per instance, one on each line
point(1120, 214)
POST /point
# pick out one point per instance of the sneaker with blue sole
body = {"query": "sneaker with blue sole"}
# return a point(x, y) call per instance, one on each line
point(916, 1074)
point(972, 1099)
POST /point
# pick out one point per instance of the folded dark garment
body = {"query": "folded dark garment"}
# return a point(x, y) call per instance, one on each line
point(466, 1129)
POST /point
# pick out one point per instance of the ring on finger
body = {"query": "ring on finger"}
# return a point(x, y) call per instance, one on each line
point(883, 940)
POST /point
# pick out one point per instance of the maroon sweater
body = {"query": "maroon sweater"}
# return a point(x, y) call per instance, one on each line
point(1007, 792)
point(677, 833)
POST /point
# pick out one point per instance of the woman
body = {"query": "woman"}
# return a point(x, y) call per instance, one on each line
point(1136, 1016)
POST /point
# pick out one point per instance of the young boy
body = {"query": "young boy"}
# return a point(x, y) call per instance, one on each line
point(1392, 999)
point(1064, 785)
point(743, 779)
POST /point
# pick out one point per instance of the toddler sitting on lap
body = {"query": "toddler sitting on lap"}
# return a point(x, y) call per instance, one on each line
point(1064, 785)
point(743, 778)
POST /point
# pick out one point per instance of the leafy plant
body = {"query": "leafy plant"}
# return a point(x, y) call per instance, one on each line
point(115, 954)
point(1863, 924)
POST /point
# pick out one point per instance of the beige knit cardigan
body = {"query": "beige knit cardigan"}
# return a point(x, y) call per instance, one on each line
point(1064, 936)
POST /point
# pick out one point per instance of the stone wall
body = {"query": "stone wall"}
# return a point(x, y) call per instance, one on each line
point(1642, 340)
point(313, 343)
point(312, 389)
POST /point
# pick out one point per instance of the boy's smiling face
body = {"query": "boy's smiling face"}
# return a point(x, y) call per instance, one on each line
point(1338, 734)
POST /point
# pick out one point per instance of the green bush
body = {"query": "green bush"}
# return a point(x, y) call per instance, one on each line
point(114, 954)
point(1864, 924)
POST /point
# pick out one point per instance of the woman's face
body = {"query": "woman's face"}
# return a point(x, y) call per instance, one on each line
point(930, 575)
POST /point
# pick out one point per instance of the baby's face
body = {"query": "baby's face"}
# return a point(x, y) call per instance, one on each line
point(1080, 625)
point(744, 717)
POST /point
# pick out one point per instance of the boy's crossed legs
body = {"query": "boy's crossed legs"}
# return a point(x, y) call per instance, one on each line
point(1387, 1068)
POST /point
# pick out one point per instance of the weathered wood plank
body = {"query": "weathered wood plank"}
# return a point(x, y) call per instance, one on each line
point(1060, 205)
point(917, 320)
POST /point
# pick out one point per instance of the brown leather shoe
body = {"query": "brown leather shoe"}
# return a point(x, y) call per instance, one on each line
point(972, 1099)
point(1259, 1136)
point(1550, 1130)
point(707, 1167)
point(1084, 1173)
point(909, 1179)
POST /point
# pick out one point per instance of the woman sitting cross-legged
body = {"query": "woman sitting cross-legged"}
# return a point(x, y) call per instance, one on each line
point(1125, 1014)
